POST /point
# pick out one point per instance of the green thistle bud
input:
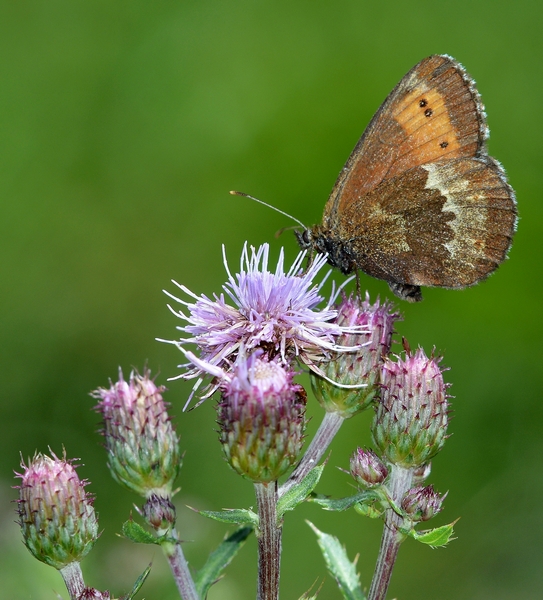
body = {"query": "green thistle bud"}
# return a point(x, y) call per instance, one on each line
point(367, 468)
point(368, 330)
point(142, 446)
point(422, 503)
point(411, 419)
point(261, 417)
point(56, 515)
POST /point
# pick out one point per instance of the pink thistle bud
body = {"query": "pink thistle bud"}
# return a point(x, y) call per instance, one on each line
point(367, 330)
point(367, 468)
point(159, 513)
point(422, 503)
point(56, 515)
point(261, 417)
point(410, 423)
point(142, 446)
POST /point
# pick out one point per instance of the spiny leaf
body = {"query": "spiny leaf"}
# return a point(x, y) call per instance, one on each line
point(219, 559)
point(338, 564)
point(339, 504)
point(440, 536)
point(239, 516)
point(299, 492)
point(136, 533)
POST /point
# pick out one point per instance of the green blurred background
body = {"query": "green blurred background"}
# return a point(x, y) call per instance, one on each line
point(123, 125)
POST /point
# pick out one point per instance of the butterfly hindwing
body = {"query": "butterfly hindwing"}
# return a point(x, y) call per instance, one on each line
point(446, 223)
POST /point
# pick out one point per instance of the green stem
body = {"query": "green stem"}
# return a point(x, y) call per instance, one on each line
point(328, 428)
point(400, 482)
point(269, 541)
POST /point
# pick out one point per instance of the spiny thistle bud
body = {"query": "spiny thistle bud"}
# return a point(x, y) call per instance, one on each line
point(159, 513)
point(142, 446)
point(56, 515)
point(411, 419)
point(261, 417)
point(367, 468)
point(422, 503)
point(368, 330)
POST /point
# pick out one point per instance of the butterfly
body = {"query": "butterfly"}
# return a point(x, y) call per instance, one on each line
point(419, 201)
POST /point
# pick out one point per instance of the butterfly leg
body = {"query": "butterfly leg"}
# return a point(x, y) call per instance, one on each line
point(411, 293)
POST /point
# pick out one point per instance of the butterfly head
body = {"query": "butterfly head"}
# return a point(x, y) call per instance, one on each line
point(318, 239)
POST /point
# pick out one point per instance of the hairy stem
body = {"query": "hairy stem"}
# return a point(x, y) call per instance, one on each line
point(319, 444)
point(400, 481)
point(269, 541)
point(180, 569)
point(73, 578)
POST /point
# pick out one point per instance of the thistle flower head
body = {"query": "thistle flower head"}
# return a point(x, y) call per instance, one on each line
point(142, 446)
point(56, 515)
point(410, 424)
point(261, 417)
point(351, 378)
point(259, 308)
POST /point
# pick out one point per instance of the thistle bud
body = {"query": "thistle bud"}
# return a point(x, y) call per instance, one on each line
point(142, 446)
point(367, 329)
point(56, 515)
point(422, 503)
point(261, 417)
point(367, 468)
point(159, 513)
point(411, 419)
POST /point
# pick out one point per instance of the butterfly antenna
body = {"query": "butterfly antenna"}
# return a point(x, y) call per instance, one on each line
point(234, 193)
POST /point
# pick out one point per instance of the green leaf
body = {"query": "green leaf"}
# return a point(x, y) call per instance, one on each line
point(299, 492)
point(440, 536)
point(338, 564)
point(238, 516)
point(219, 559)
point(340, 504)
point(135, 533)
point(372, 510)
point(137, 586)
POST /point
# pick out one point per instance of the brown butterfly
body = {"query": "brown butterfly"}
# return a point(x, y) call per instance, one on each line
point(420, 202)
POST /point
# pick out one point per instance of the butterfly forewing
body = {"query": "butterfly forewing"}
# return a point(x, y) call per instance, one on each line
point(419, 202)
point(433, 113)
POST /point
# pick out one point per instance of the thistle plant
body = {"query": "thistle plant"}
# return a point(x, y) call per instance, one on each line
point(247, 345)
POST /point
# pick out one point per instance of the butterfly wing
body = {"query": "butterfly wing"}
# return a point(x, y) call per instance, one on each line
point(433, 113)
point(447, 223)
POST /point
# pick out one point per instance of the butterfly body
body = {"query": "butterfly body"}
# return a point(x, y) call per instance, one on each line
point(420, 202)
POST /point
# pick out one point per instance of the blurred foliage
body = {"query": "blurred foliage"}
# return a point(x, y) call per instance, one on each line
point(123, 126)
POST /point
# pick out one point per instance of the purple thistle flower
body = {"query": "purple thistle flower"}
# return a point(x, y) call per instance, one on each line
point(275, 311)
